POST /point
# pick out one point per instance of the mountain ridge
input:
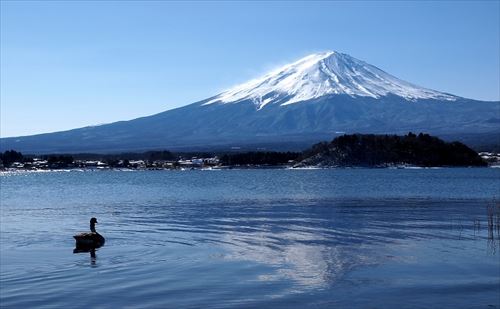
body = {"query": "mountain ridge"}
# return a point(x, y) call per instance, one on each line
point(299, 113)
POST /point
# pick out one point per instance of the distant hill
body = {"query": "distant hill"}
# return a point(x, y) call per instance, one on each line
point(371, 150)
point(313, 99)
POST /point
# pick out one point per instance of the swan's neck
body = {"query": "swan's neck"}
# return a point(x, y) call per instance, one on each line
point(92, 227)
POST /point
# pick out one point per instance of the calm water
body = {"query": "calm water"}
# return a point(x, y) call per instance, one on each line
point(346, 238)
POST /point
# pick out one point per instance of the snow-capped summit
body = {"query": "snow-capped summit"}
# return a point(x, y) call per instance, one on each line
point(326, 73)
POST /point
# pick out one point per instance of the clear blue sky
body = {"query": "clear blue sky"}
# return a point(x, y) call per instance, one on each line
point(70, 64)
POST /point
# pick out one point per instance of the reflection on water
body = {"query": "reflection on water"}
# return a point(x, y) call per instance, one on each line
point(260, 239)
point(91, 251)
point(316, 245)
point(279, 250)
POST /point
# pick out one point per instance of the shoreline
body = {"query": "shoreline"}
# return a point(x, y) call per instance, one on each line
point(9, 171)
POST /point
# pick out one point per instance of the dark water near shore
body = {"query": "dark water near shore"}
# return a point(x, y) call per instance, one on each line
point(346, 238)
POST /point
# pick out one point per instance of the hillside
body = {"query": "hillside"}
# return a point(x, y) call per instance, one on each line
point(370, 150)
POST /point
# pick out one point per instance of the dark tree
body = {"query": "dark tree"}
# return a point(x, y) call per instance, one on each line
point(11, 156)
point(59, 161)
point(381, 150)
point(259, 158)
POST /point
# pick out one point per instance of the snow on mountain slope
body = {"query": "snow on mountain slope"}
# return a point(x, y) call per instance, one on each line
point(321, 74)
point(303, 103)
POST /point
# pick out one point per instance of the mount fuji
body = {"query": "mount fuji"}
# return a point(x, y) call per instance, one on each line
point(312, 99)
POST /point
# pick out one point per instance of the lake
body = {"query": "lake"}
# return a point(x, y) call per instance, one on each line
point(332, 238)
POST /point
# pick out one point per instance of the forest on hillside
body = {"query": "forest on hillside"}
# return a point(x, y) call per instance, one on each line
point(381, 150)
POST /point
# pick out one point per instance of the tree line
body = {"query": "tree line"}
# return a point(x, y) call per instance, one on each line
point(123, 159)
point(374, 150)
point(345, 150)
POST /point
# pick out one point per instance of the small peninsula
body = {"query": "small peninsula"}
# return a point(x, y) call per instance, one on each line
point(369, 150)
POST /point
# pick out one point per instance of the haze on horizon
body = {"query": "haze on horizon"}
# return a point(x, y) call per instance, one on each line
point(72, 64)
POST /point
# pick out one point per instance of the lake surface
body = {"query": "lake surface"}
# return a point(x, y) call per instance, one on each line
point(337, 238)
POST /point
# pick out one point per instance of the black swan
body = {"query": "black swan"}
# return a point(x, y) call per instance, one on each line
point(89, 240)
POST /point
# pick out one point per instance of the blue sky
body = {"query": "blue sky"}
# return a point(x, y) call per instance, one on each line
point(71, 64)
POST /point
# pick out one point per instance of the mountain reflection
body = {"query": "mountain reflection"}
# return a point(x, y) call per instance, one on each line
point(311, 243)
point(308, 258)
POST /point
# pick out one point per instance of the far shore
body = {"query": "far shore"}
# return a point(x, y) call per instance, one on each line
point(346, 151)
point(218, 168)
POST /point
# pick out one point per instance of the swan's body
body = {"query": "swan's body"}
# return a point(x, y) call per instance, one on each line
point(89, 240)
